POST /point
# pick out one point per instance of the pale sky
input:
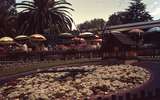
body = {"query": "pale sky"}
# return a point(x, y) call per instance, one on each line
point(90, 9)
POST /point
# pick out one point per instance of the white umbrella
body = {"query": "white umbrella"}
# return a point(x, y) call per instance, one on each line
point(21, 37)
point(86, 34)
point(6, 40)
point(66, 35)
point(154, 29)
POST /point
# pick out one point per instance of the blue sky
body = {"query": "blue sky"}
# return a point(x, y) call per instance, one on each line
point(90, 9)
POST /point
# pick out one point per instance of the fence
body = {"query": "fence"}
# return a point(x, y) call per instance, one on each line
point(69, 54)
point(51, 55)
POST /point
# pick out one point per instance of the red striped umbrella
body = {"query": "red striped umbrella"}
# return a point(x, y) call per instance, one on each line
point(38, 37)
point(136, 31)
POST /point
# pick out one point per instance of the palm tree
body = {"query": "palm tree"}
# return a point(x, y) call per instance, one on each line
point(38, 15)
point(7, 18)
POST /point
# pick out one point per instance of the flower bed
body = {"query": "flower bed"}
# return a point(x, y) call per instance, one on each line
point(67, 85)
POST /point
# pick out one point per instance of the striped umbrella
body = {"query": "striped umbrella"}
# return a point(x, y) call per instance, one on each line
point(66, 35)
point(154, 29)
point(37, 37)
point(136, 31)
point(6, 41)
point(86, 34)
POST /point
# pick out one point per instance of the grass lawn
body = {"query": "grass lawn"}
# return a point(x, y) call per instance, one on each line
point(12, 70)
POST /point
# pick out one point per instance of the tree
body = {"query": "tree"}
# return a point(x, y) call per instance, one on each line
point(92, 24)
point(135, 13)
point(75, 32)
point(39, 15)
point(117, 18)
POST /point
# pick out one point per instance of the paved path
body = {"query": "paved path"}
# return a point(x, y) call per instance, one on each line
point(154, 67)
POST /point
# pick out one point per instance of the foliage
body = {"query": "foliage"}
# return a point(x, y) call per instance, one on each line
point(95, 23)
point(75, 32)
point(117, 18)
point(7, 18)
point(38, 15)
point(22, 68)
point(135, 13)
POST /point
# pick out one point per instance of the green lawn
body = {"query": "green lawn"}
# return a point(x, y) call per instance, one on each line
point(5, 71)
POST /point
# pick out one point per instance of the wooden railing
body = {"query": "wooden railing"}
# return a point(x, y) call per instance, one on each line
point(51, 55)
point(74, 54)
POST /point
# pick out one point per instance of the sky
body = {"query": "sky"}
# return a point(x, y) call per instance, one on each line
point(90, 9)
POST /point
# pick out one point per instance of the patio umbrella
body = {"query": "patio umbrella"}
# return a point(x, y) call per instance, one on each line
point(152, 35)
point(136, 34)
point(86, 34)
point(6, 41)
point(21, 37)
point(38, 37)
point(66, 35)
point(136, 31)
point(154, 30)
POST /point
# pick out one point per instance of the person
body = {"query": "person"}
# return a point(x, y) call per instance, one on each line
point(22, 47)
point(25, 47)
point(37, 48)
point(50, 48)
point(98, 45)
point(43, 48)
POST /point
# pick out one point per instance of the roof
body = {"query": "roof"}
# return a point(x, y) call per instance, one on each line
point(124, 39)
point(137, 25)
point(127, 27)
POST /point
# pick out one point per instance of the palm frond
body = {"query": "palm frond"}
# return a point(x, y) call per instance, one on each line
point(24, 4)
point(62, 3)
point(28, 2)
point(63, 7)
point(42, 14)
